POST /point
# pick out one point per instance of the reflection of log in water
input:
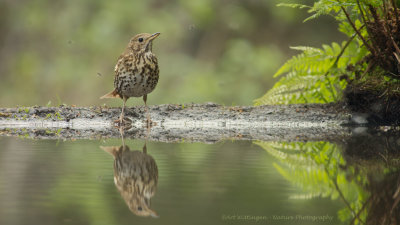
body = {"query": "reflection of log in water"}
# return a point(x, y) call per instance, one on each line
point(373, 146)
point(135, 176)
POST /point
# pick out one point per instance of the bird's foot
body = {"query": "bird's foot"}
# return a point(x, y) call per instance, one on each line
point(124, 123)
point(149, 123)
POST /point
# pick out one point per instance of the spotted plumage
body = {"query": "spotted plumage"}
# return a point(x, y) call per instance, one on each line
point(136, 71)
point(136, 178)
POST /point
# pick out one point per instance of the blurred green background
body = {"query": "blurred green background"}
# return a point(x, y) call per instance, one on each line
point(221, 51)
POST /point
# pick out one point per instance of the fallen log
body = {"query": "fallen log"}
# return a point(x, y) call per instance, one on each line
point(177, 122)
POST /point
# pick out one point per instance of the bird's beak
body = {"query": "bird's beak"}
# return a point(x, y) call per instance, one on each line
point(153, 214)
point(153, 36)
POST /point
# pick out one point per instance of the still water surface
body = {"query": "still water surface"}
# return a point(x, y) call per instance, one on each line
point(72, 182)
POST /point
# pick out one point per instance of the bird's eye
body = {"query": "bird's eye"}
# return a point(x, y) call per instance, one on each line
point(140, 40)
point(140, 208)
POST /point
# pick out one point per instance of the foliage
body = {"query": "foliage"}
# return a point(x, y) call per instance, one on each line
point(308, 78)
point(208, 50)
point(318, 75)
point(316, 167)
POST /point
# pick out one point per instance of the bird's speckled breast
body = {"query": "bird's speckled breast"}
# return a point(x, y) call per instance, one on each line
point(136, 75)
point(136, 172)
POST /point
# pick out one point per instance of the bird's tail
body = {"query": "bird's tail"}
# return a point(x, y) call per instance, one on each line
point(112, 150)
point(112, 94)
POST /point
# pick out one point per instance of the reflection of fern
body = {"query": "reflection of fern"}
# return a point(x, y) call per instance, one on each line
point(302, 166)
point(315, 167)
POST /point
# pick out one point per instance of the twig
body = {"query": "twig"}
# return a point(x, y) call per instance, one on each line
point(377, 20)
point(362, 12)
point(370, 65)
point(396, 14)
point(385, 11)
point(362, 209)
point(396, 200)
point(344, 199)
point(382, 27)
point(397, 57)
point(367, 15)
point(388, 16)
point(390, 36)
point(342, 51)
point(372, 50)
point(397, 192)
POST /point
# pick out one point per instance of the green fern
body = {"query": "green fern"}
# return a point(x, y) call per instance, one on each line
point(306, 77)
point(313, 76)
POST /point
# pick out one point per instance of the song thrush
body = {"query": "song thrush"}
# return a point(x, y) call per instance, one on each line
point(136, 71)
point(136, 177)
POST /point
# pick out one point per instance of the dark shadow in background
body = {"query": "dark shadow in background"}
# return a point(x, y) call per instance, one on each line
point(378, 153)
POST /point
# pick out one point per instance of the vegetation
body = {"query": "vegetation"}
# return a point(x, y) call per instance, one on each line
point(315, 167)
point(369, 60)
point(208, 51)
point(369, 192)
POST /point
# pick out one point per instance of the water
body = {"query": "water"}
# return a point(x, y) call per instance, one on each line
point(72, 182)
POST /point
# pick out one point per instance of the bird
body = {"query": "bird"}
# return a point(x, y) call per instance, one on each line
point(136, 177)
point(136, 72)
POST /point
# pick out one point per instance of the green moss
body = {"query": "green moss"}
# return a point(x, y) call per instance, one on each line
point(23, 109)
point(57, 115)
point(48, 116)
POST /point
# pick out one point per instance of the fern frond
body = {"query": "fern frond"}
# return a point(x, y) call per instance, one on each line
point(306, 78)
point(293, 5)
point(311, 58)
point(306, 49)
point(297, 88)
point(327, 7)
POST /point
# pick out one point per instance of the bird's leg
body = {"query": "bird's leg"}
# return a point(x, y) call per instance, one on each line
point(145, 102)
point(121, 117)
point(122, 132)
point(148, 122)
point(145, 141)
point(145, 148)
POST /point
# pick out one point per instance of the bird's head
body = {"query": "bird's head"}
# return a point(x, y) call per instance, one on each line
point(142, 42)
point(140, 206)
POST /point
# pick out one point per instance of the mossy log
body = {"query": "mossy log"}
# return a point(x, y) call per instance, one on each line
point(175, 123)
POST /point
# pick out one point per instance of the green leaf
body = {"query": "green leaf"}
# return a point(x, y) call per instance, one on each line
point(293, 5)
point(306, 78)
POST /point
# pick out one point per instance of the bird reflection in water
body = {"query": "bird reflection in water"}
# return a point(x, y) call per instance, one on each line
point(135, 176)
